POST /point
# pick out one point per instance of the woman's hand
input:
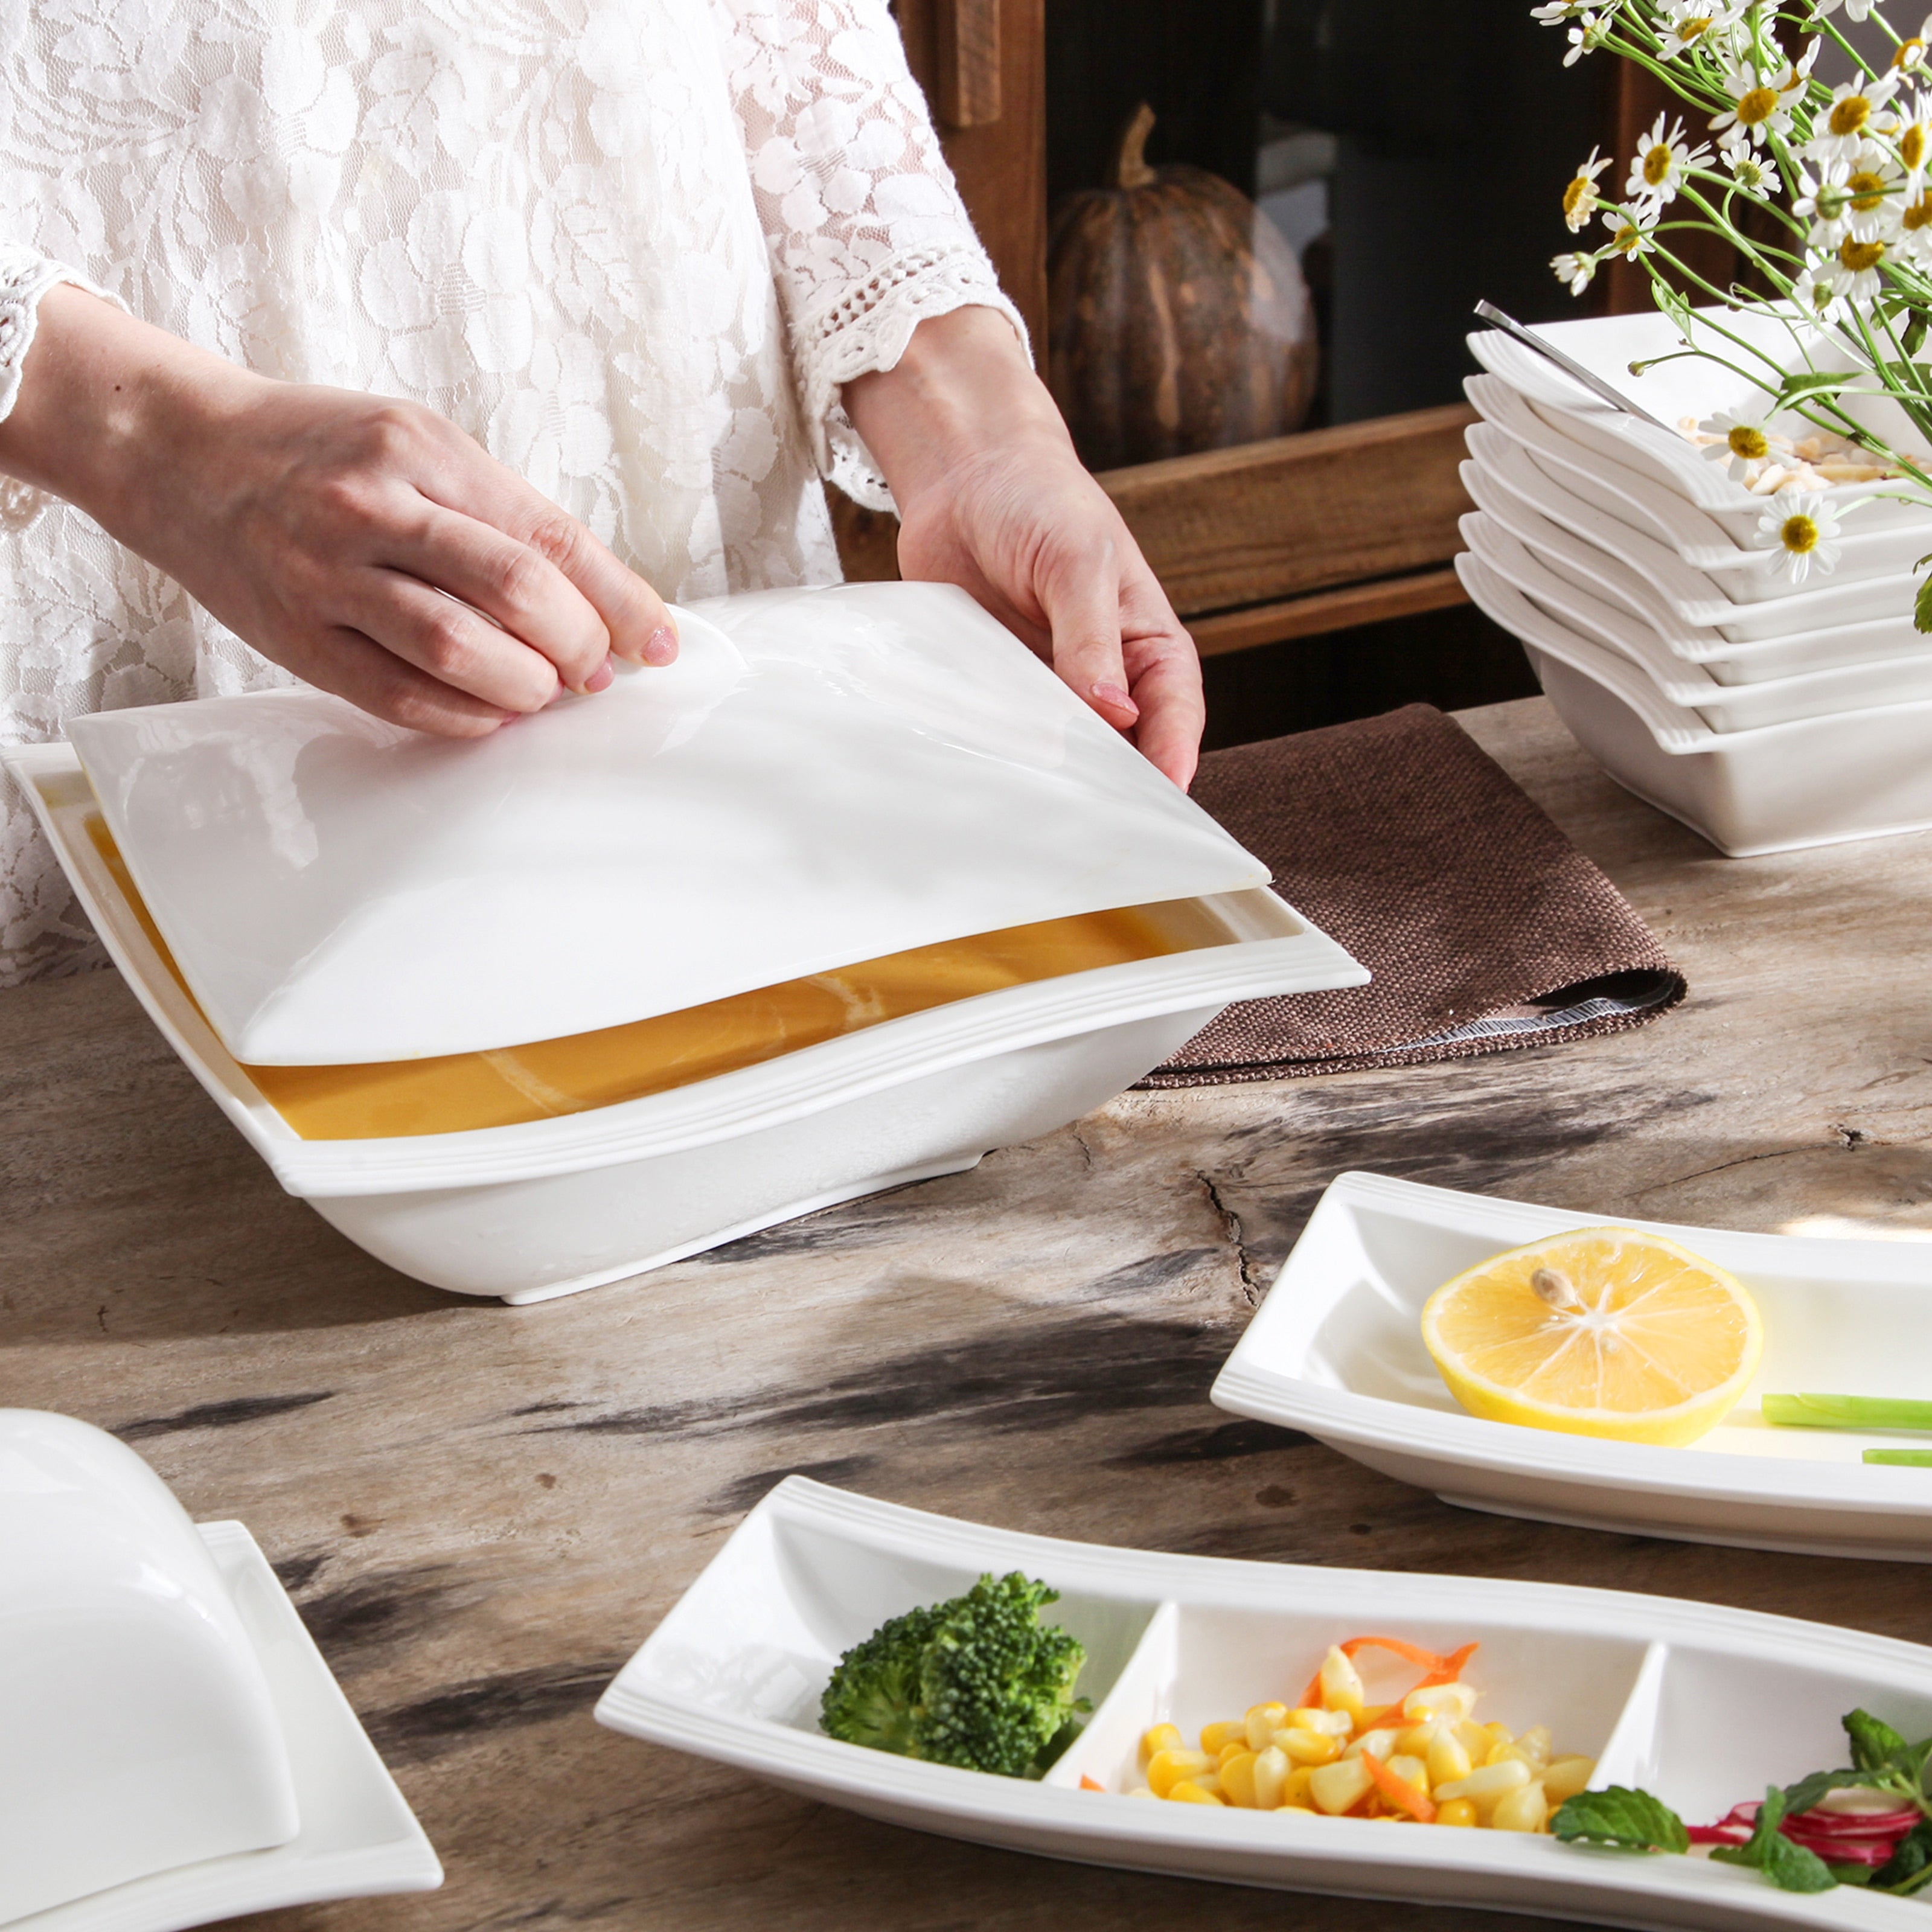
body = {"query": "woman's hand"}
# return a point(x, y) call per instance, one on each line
point(992, 497)
point(351, 539)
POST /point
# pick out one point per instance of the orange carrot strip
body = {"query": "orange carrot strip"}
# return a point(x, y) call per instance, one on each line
point(1090, 1784)
point(1440, 1669)
point(1398, 1790)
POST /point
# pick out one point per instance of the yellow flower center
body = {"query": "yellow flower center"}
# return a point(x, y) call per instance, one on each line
point(1657, 166)
point(1866, 190)
point(1860, 255)
point(1912, 145)
point(1799, 535)
point(1689, 30)
point(1759, 104)
point(1910, 52)
point(1919, 214)
point(1580, 196)
point(1752, 445)
point(1628, 239)
point(1850, 114)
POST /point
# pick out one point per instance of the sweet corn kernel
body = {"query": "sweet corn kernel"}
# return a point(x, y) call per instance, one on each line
point(1140, 1791)
point(1507, 1754)
point(1162, 1737)
point(1382, 1743)
point(1341, 1683)
point(1566, 1776)
point(1534, 1745)
point(1271, 1773)
point(1233, 1748)
point(1340, 1787)
point(1414, 1742)
point(1327, 1724)
point(1308, 1747)
point(1237, 1780)
point(1295, 1791)
point(1411, 1771)
point(1446, 1759)
point(1188, 1792)
point(1457, 1811)
point(1166, 1769)
point(1487, 1781)
point(1213, 1736)
point(1439, 1700)
point(1524, 1809)
point(1263, 1721)
point(1474, 1739)
point(1498, 1734)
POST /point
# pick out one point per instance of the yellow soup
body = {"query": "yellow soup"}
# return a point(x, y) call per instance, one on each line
point(454, 1093)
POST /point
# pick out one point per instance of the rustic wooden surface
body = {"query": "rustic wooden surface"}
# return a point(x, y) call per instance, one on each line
point(480, 1510)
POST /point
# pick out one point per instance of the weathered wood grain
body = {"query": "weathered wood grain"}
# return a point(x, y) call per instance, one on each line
point(481, 1509)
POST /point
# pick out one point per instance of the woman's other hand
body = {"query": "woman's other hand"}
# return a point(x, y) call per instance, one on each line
point(992, 497)
point(350, 539)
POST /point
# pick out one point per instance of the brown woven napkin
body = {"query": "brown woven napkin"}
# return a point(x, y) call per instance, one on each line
point(1484, 927)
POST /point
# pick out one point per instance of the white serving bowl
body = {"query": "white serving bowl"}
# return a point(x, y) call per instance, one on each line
point(1672, 390)
point(1724, 707)
point(1815, 781)
point(530, 1211)
point(140, 1733)
point(1747, 572)
point(1694, 597)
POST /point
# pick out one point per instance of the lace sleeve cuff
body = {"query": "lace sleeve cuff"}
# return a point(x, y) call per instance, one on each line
point(867, 328)
point(25, 277)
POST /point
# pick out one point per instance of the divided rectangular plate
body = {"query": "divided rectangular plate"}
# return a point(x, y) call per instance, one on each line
point(1336, 1350)
point(359, 1838)
point(1703, 1705)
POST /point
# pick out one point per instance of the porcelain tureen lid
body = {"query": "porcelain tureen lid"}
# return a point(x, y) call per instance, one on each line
point(824, 776)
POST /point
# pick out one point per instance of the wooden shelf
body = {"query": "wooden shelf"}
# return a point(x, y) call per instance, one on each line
point(1325, 611)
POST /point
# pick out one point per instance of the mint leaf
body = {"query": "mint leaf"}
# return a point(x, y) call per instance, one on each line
point(1911, 1861)
point(1921, 607)
point(1624, 1820)
point(1876, 1746)
point(1801, 1797)
point(1789, 1866)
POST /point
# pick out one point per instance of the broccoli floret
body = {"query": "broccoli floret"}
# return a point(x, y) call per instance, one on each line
point(979, 1682)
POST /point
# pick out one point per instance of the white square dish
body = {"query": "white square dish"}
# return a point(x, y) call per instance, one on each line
point(1880, 607)
point(1336, 1349)
point(1497, 485)
point(1814, 781)
point(1672, 390)
point(553, 1205)
point(1700, 1704)
point(1723, 707)
point(1750, 573)
point(824, 776)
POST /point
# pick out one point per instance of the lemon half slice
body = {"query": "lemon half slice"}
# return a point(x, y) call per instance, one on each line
point(1601, 1332)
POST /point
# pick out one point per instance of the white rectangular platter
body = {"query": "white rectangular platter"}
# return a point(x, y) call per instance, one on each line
point(358, 1838)
point(1336, 1351)
point(1700, 1704)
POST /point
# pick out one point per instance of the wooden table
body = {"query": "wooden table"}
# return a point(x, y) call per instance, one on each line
point(480, 1510)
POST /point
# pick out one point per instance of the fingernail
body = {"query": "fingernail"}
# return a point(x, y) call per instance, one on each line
point(661, 646)
point(599, 679)
point(1119, 699)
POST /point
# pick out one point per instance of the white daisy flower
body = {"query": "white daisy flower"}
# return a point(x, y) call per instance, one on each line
point(1824, 200)
point(1756, 174)
point(1585, 38)
point(1874, 190)
point(1695, 23)
point(1662, 159)
point(1554, 12)
point(1759, 108)
point(1854, 271)
point(1856, 112)
point(1910, 57)
point(1913, 141)
point(1578, 270)
point(1813, 295)
point(1913, 242)
point(1740, 443)
point(1803, 527)
point(1580, 197)
point(1855, 10)
point(1631, 230)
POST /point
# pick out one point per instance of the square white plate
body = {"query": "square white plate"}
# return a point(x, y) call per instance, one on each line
point(1336, 1350)
point(1703, 1705)
point(359, 1838)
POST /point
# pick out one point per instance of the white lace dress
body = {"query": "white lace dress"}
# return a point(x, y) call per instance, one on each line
point(634, 247)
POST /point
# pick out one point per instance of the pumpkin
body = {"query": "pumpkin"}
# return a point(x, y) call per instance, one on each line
point(1178, 317)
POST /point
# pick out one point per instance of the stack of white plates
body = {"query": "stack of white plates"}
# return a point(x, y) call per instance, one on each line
point(1764, 714)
